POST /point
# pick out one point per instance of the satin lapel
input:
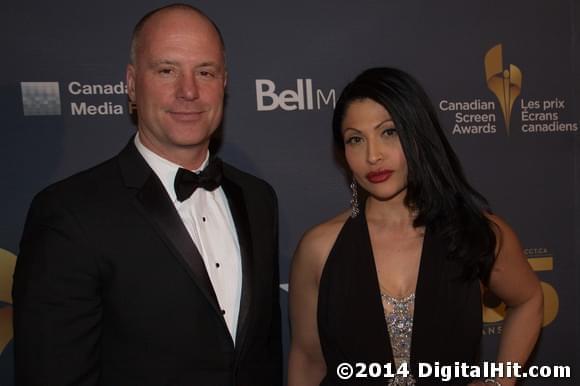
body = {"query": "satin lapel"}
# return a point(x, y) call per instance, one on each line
point(153, 201)
point(237, 205)
point(429, 291)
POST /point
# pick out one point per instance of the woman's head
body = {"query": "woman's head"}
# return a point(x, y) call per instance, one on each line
point(373, 151)
point(433, 172)
point(388, 131)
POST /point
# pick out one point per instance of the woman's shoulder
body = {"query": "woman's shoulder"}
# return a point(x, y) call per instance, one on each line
point(320, 238)
point(506, 238)
point(317, 242)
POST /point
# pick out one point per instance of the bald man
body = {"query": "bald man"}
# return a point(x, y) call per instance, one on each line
point(159, 266)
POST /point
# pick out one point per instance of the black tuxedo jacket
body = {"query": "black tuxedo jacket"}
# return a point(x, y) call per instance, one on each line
point(109, 288)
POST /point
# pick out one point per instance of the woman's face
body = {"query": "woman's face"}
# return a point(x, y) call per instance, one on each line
point(373, 150)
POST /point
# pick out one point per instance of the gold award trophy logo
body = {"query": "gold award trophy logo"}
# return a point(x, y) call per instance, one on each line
point(506, 84)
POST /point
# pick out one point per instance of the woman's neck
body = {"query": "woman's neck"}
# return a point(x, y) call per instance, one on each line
point(391, 213)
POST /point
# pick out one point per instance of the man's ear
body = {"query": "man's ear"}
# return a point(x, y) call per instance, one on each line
point(130, 79)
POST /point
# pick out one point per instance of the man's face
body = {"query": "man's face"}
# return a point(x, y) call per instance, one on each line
point(177, 81)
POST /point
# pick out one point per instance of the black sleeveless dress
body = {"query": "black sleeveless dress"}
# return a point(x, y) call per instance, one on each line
point(447, 319)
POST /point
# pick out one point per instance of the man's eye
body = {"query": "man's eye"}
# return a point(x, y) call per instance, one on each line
point(206, 74)
point(166, 71)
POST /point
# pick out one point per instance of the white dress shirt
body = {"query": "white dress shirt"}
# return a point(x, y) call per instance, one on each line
point(208, 219)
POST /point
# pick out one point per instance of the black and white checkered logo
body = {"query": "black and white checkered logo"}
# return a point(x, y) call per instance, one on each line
point(40, 98)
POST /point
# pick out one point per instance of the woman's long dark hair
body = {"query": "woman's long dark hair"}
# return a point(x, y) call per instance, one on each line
point(437, 189)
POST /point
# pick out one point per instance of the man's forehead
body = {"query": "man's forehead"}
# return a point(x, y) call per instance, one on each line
point(178, 22)
point(177, 19)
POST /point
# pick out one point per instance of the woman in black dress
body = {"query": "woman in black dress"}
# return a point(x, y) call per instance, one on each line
point(397, 280)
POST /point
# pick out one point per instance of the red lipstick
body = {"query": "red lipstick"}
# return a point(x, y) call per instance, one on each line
point(379, 176)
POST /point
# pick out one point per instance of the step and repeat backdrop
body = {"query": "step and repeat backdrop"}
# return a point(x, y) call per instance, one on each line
point(504, 77)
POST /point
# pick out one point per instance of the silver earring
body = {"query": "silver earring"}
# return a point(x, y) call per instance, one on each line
point(354, 210)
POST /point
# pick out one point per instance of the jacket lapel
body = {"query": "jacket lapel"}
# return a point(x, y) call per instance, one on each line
point(236, 202)
point(154, 203)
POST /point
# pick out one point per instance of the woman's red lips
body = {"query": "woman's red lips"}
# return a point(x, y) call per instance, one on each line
point(380, 176)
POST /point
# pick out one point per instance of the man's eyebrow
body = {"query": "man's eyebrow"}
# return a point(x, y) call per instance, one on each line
point(209, 64)
point(162, 61)
point(175, 63)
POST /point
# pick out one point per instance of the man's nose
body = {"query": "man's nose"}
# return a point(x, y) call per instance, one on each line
point(187, 87)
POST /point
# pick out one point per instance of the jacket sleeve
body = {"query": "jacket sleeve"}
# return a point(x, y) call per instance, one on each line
point(276, 338)
point(57, 300)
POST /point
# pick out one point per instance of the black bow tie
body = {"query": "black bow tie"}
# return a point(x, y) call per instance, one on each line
point(187, 181)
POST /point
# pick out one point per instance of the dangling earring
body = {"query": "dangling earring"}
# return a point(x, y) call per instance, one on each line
point(354, 210)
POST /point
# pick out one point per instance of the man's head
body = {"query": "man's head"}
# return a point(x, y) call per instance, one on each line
point(177, 78)
point(186, 7)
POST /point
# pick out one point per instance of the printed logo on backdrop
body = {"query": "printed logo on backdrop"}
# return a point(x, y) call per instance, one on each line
point(76, 99)
point(482, 114)
point(7, 263)
point(304, 97)
point(541, 260)
point(40, 98)
point(506, 84)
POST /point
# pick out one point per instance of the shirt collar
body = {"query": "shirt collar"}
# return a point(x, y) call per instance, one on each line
point(163, 168)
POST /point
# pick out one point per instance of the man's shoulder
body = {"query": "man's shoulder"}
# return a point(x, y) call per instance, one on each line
point(246, 180)
point(86, 184)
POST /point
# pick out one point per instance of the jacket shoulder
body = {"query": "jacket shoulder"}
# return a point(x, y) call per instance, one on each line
point(246, 180)
point(84, 185)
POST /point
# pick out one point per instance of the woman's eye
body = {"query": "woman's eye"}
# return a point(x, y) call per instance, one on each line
point(390, 132)
point(353, 140)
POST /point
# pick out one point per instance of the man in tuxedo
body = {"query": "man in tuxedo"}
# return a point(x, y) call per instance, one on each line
point(158, 266)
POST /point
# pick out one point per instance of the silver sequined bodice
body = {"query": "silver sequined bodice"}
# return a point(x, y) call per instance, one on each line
point(399, 317)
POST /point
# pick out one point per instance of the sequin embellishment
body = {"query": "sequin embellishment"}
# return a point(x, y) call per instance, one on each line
point(399, 317)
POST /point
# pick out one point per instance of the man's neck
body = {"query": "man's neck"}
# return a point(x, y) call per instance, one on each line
point(190, 158)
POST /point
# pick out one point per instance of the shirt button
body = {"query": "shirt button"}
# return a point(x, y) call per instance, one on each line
point(223, 312)
point(203, 219)
point(217, 265)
